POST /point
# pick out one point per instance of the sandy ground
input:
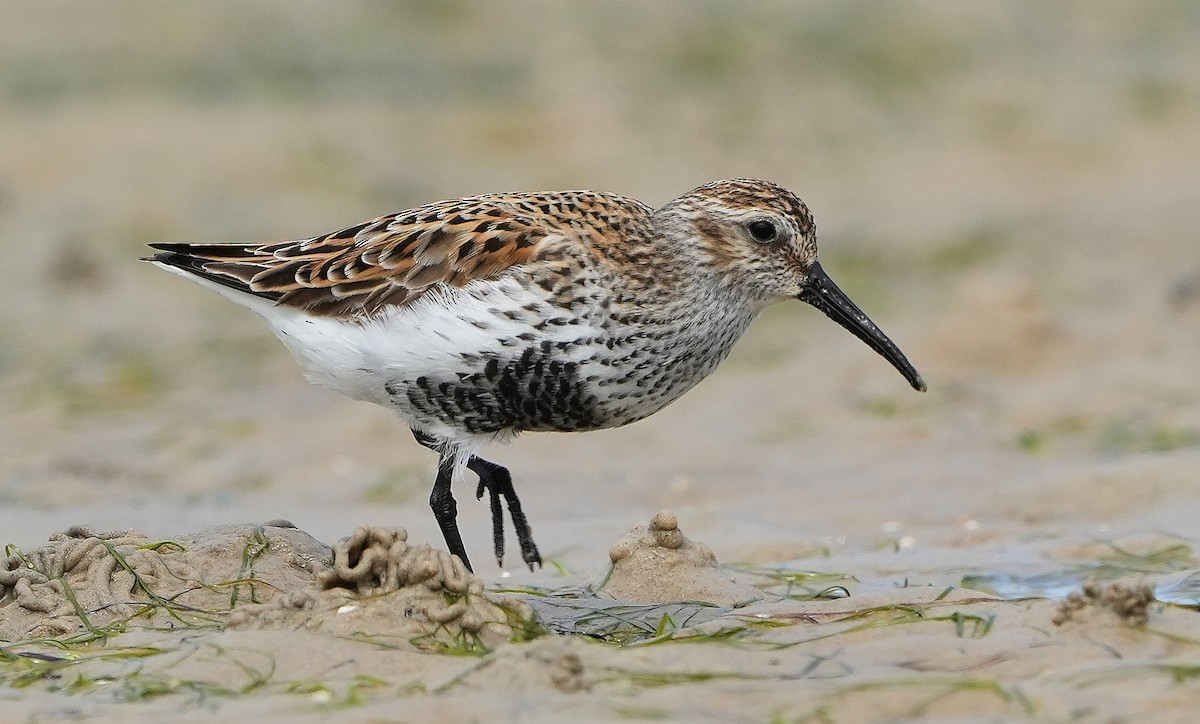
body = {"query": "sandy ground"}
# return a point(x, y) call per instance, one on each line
point(1009, 190)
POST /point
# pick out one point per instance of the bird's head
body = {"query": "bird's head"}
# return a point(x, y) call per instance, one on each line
point(759, 238)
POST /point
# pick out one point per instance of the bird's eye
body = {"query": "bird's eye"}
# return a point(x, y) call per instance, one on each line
point(762, 231)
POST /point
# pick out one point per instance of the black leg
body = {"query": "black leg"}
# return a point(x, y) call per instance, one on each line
point(498, 482)
point(445, 509)
point(497, 510)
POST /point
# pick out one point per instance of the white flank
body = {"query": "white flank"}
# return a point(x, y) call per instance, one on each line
point(428, 337)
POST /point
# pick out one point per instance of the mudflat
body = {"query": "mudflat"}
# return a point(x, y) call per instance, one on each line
point(1008, 191)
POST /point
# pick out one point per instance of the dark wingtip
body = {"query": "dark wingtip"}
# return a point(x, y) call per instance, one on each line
point(162, 257)
point(181, 256)
point(178, 247)
point(168, 252)
point(175, 259)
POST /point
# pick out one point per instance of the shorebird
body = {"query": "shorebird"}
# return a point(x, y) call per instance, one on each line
point(479, 318)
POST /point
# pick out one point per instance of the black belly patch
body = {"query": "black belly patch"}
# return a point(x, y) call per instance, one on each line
point(530, 392)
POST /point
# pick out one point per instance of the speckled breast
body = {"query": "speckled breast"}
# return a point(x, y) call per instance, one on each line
point(558, 387)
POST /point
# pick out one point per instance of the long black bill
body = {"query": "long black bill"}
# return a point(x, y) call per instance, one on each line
point(823, 294)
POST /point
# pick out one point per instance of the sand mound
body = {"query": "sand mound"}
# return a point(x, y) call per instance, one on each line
point(656, 563)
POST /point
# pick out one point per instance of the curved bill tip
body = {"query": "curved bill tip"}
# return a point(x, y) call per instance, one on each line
point(822, 293)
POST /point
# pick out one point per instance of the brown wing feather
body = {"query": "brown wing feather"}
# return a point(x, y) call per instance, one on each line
point(393, 260)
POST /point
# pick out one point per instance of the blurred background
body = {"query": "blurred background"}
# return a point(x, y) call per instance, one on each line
point(1011, 189)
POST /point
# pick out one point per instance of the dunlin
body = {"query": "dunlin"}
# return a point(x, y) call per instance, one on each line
point(482, 317)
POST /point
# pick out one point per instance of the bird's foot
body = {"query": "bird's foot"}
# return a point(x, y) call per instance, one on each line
point(496, 480)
